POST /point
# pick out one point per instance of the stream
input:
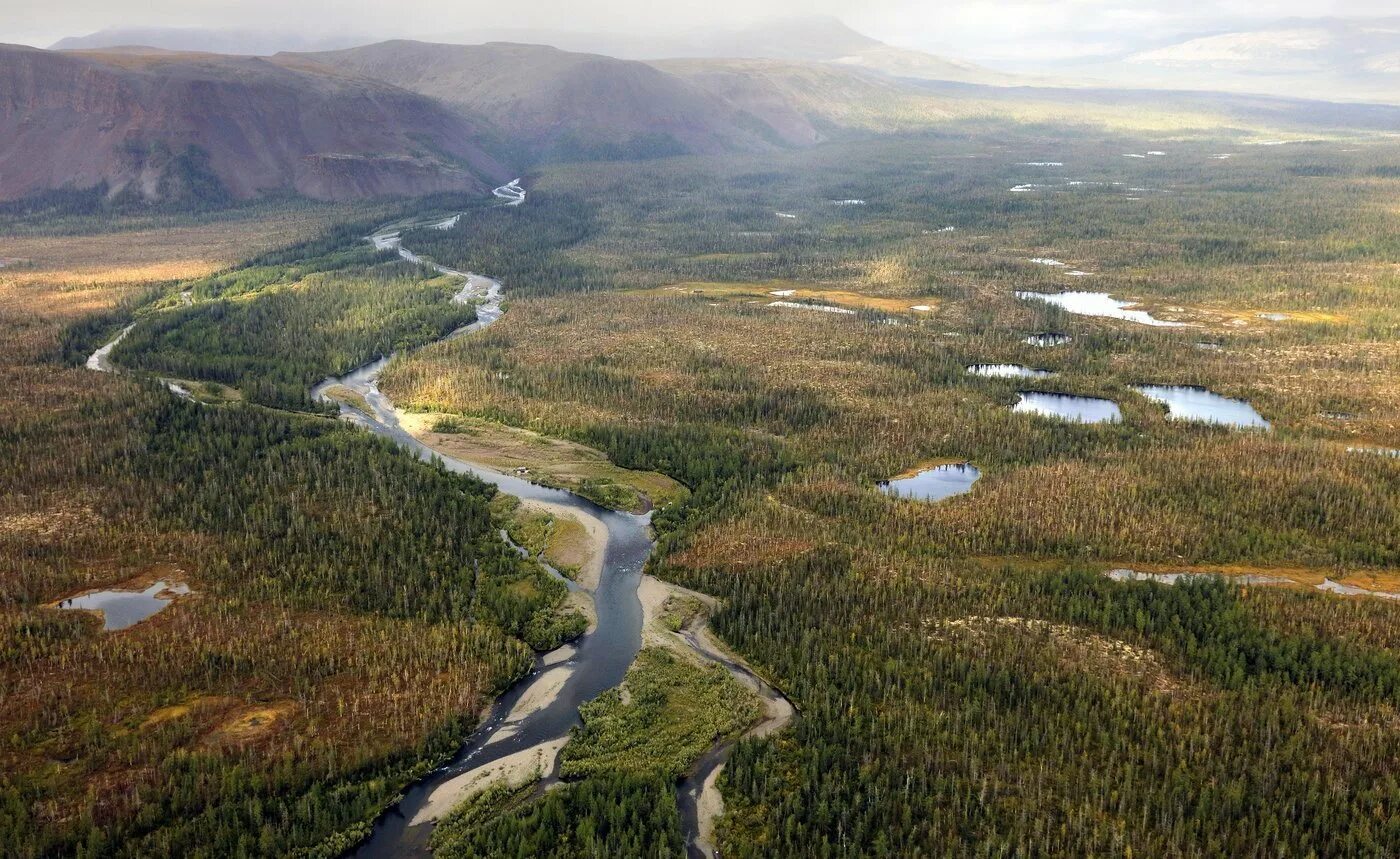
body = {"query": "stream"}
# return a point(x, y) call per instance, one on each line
point(599, 660)
point(596, 662)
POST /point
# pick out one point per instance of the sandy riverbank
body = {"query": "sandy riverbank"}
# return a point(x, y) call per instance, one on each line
point(587, 555)
point(695, 641)
point(514, 770)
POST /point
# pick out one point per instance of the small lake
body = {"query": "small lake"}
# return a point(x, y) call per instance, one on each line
point(1048, 338)
point(1084, 410)
point(121, 609)
point(1098, 304)
point(933, 484)
point(1190, 403)
point(1007, 371)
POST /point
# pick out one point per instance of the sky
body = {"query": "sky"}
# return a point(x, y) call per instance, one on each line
point(1000, 31)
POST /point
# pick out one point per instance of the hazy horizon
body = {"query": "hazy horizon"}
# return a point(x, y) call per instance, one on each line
point(1021, 34)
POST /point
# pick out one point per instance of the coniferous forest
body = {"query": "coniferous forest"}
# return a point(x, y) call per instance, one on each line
point(967, 679)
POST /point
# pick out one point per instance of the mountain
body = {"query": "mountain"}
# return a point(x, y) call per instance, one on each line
point(554, 104)
point(812, 39)
point(207, 41)
point(810, 101)
point(159, 125)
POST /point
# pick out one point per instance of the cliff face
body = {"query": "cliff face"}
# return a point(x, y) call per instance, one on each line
point(158, 124)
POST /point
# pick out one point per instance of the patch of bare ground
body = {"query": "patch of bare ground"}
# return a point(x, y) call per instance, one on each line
point(1077, 647)
point(251, 723)
point(55, 517)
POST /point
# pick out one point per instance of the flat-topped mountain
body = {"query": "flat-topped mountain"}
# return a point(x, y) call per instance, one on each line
point(159, 125)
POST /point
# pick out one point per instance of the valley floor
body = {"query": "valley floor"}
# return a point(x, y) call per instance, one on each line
point(965, 675)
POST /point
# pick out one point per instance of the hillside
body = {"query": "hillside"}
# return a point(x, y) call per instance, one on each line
point(156, 125)
point(559, 105)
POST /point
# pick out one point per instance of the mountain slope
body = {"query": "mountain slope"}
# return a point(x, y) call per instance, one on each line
point(159, 126)
point(562, 105)
point(808, 39)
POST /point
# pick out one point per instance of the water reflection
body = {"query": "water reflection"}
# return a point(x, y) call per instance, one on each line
point(121, 609)
point(1098, 304)
point(933, 484)
point(1190, 403)
point(1084, 410)
point(1007, 371)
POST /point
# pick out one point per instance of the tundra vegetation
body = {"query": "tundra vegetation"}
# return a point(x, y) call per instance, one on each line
point(967, 680)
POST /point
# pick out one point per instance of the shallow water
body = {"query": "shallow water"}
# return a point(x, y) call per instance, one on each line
point(1084, 410)
point(1098, 304)
point(601, 658)
point(1048, 338)
point(1007, 371)
point(1191, 403)
point(1125, 575)
point(121, 609)
point(101, 360)
point(933, 484)
point(1353, 591)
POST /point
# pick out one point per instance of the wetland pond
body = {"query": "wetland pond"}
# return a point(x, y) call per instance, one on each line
point(1098, 304)
point(121, 609)
point(1191, 403)
point(1007, 371)
point(1084, 410)
point(933, 484)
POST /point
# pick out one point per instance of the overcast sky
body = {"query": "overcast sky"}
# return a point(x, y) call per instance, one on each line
point(1003, 30)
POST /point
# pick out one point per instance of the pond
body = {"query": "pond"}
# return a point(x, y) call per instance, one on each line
point(933, 484)
point(1048, 338)
point(1084, 410)
point(1007, 371)
point(121, 609)
point(1190, 403)
point(1126, 575)
point(1098, 304)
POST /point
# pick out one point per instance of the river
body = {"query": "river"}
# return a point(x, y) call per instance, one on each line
point(519, 720)
point(600, 659)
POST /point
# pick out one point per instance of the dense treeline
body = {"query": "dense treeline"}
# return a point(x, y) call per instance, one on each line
point(274, 329)
point(522, 246)
point(352, 607)
point(610, 815)
point(1204, 624)
point(938, 720)
point(316, 510)
point(620, 765)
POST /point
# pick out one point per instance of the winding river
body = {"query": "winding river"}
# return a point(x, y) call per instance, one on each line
point(597, 662)
point(533, 714)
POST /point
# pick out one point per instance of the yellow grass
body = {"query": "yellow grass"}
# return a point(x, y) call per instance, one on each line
point(764, 293)
point(251, 723)
point(547, 460)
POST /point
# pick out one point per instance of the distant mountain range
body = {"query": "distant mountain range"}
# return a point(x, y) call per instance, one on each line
point(406, 117)
point(252, 43)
